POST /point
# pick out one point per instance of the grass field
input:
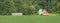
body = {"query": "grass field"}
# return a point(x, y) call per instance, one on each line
point(29, 19)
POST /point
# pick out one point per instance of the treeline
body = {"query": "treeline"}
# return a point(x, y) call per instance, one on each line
point(28, 7)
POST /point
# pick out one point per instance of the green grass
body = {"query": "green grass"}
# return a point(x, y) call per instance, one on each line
point(29, 19)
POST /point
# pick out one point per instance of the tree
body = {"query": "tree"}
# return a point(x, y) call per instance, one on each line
point(12, 7)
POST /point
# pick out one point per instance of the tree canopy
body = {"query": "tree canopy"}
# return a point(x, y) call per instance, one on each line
point(28, 7)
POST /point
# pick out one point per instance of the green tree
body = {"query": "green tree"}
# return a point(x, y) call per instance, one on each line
point(12, 7)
